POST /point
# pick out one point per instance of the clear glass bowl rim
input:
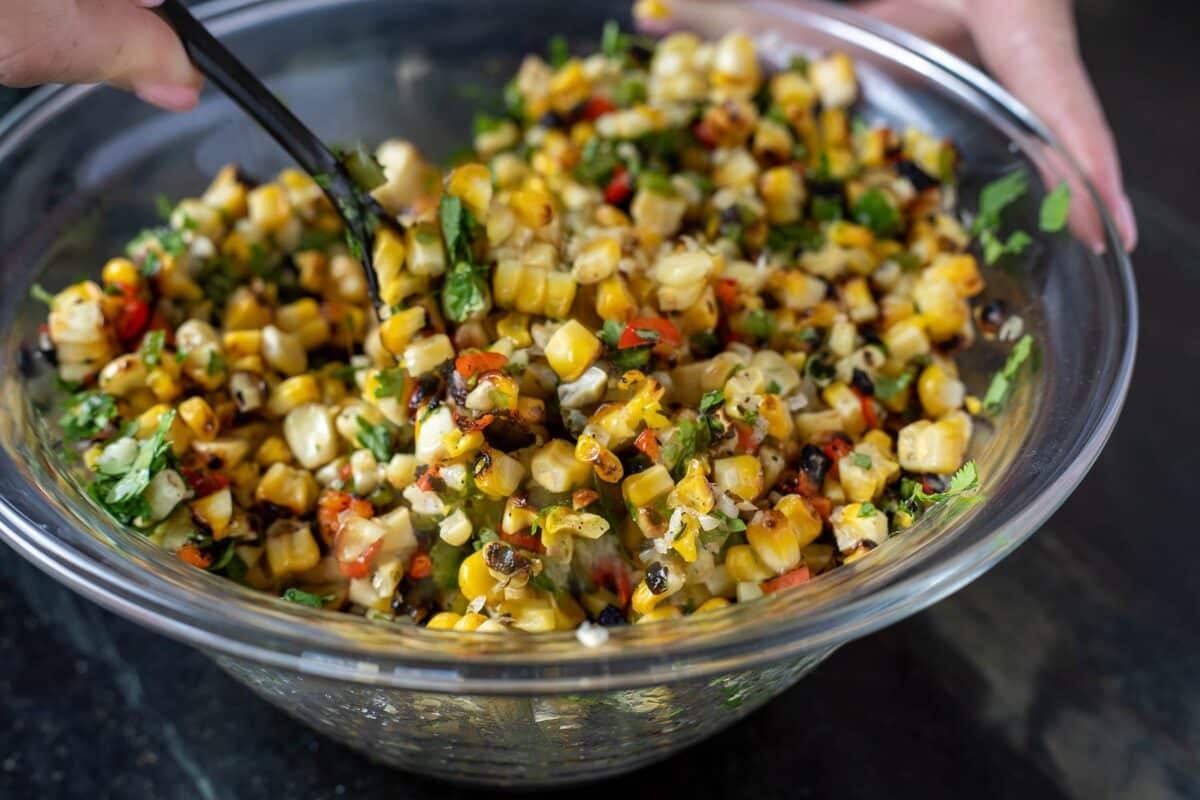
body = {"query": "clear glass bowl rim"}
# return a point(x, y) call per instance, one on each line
point(337, 646)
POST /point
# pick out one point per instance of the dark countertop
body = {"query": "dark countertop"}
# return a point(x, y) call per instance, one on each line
point(1064, 672)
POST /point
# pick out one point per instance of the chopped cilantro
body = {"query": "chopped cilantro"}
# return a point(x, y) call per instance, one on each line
point(875, 211)
point(122, 492)
point(597, 162)
point(1055, 208)
point(391, 382)
point(485, 123)
point(543, 582)
point(215, 365)
point(711, 401)
point(997, 196)
point(773, 387)
point(465, 292)
point(87, 414)
point(1003, 382)
point(994, 248)
point(887, 387)
point(867, 510)
point(789, 238)
point(656, 183)
point(486, 535)
point(628, 358)
point(302, 598)
point(363, 169)
point(630, 91)
point(964, 480)
point(798, 64)
point(376, 438)
point(860, 460)
point(613, 43)
point(446, 558)
point(760, 324)
point(151, 349)
point(558, 50)
point(691, 438)
point(38, 293)
point(164, 206)
point(826, 209)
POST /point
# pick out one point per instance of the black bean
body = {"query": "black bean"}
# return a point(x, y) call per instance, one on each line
point(920, 179)
point(992, 315)
point(656, 577)
point(814, 463)
point(611, 615)
point(551, 119)
point(862, 382)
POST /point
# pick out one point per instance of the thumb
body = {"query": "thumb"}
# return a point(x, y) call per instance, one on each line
point(152, 63)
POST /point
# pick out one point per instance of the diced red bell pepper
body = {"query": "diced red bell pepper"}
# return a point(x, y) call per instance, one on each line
point(647, 442)
point(471, 364)
point(632, 336)
point(868, 409)
point(747, 437)
point(192, 555)
point(597, 106)
point(822, 505)
point(132, 317)
point(421, 567)
point(620, 187)
point(523, 540)
point(704, 135)
point(204, 482)
point(786, 580)
point(331, 507)
point(359, 567)
point(727, 292)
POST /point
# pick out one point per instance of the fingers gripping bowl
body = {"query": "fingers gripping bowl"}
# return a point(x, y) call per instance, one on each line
point(527, 710)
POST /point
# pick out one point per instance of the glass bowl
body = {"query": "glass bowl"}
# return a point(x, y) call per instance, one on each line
point(80, 168)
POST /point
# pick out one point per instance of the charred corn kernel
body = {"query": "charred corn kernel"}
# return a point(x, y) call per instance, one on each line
point(123, 375)
point(497, 474)
point(597, 260)
point(443, 621)
point(121, 272)
point(905, 340)
point(735, 169)
point(398, 330)
point(518, 515)
point(604, 463)
point(860, 304)
point(471, 183)
point(245, 311)
point(773, 142)
point(960, 271)
point(775, 413)
point(292, 393)
point(856, 523)
point(313, 267)
point(533, 208)
point(657, 216)
point(556, 469)
point(273, 450)
point(198, 415)
point(660, 614)
point(712, 604)
point(287, 487)
point(693, 490)
point(227, 193)
point(515, 326)
point(560, 521)
point(474, 578)
point(770, 535)
point(572, 349)
point(937, 447)
point(940, 392)
point(458, 443)
point(943, 311)
point(471, 622)
point(269, 207)
point(782, 191)
point(214, 511)
point(560, 294)
point(739, 475)
point(643, 488)
point(425, 355)
point(743, 564)
point(294, 550)
point(805, 523)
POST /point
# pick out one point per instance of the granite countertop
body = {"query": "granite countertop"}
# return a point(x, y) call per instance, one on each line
point(1064, 672)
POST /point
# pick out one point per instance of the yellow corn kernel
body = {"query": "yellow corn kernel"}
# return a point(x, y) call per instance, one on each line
point(198, 415)
point(313, 267)
point(388, 260)
point(805, 523)
point(740, 475)
point(743, 565)
point(457, 443)
point(241, 343)
point(560, 295)
point(556, 468)
point(244, 311)
point(425, 355)
point(474, 578)
point(303, 319)
point(507, 278)
point(571, 350)
point(269, 207)
point(604, 463)
point(164, 386)
point(123, 375)
point(470, 622)
point(847, 234)
point(833, 77)
point(471, 183)
point(178, 434)
point(398, 330)
point(879, 440)
point(712, 604)
point(842, 399)
point(701, 315)
point(226, 193)
point(693, 491)
point(291, 488)
point(735, 69)
point(614, 300)
point(960, 270)
point(293, 393)
point(973, 404)
point(937, 447)
point(533, 208)
point(121, 272)
point(562, 521)
point(292, 551)
point(660, 614)
point(905, 340)
point(597, 260)
point(497, 474)
point(944, 312)
point(515, 326)
point(426, 252)
point(273, 450)
point(443, 621)
point(643, 488)
point(782, 192)
point(860, 304)
point(770, 534)
point(940, 392)
point(775, 413)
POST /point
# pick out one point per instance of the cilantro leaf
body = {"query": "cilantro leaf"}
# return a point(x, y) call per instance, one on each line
point(826, 209)
point(691, 438)
point(450, 215)
point(711, 401)
point(87, 414)
point(994, 248)
point(1003, 382)
point(997, 196)
point(376, 438)
point(887, 387)
point(465, 292)
point(152, 347)
point(797, 236)
point(628, 358)
point(446, 558)
point(122, 493)
point(38, 293)
point(558, 51)
point(215, 365)
point(760, 324)
point(867, 510)
point(613, 43)
point(875, 211)
point(303, 598)
point(391, 382)
point(610, 334)
point(964, 480)
point(1055, 208)
point(861, 460)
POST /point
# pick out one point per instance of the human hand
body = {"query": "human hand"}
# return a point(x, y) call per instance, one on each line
point(119, 42)
point(1029, 45)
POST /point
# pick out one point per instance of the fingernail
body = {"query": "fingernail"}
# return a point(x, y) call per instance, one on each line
point(1127, 223)
point(148, 3)
point(169, 96)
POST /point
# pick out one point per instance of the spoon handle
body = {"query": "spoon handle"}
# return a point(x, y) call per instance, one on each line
point(229, 74)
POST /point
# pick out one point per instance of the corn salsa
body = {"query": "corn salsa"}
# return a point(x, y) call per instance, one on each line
point(678, 333)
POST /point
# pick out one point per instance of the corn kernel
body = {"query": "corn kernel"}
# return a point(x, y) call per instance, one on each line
point(571, 350)
point(743, 565)
point(198, 415)
point(740, 475)
point(474, 578)
point(643, 488)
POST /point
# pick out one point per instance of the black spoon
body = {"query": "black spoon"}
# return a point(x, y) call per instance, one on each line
point(362, 213)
